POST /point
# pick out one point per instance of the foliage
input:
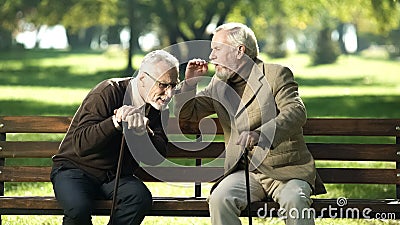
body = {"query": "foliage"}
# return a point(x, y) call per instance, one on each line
point(11, 11)
point(386, 14)
point(274, 21)
point(175, 16)
point(181, 21)
point(76, 14)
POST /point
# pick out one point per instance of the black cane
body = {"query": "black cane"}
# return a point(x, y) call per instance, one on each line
point(117, 176)
point(247, 176)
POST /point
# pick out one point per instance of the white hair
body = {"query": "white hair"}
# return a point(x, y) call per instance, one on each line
point(240, 34)
point(158, 56)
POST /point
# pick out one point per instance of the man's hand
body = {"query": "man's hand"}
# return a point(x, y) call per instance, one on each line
point(195, 68)
point(134, 117)
point(248, 139)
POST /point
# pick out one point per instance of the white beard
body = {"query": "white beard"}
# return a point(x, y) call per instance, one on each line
point(158, 107)
point(224, 74)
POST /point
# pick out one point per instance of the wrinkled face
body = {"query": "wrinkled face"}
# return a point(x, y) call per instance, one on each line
point(223, 56)
point(158, 85)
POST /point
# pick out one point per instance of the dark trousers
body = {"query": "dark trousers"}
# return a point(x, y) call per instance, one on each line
point(75, 191)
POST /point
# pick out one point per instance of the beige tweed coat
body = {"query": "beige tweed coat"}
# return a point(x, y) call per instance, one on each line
point(270, 105)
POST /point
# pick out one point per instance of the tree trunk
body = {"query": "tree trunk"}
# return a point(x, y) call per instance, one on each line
point(82, 39)
point(327, 51)
point(5, 39)
point(129, 69)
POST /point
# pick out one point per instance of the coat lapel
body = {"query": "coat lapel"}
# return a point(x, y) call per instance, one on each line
point(251, 90)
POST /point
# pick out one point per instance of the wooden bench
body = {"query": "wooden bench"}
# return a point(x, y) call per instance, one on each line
point(376, 140)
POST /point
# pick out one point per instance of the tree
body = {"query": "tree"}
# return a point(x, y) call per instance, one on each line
point(181, 21)
point(326, 50)
point(276, 46)
point(275, 20)
point(82, 14)
point(11, 14)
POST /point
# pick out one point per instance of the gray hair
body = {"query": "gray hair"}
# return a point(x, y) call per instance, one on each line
point(240, 34)
point(157, 56)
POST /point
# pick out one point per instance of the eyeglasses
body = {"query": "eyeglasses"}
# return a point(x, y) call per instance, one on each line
point(173, 85)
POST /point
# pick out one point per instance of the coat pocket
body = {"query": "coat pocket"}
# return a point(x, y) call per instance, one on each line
point(282, 159)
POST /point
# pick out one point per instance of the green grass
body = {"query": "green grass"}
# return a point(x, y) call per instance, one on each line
point(42, 82)
point(352, 87)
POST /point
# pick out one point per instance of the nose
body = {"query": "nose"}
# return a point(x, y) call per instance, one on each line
point(212, 55)
point(169, 92)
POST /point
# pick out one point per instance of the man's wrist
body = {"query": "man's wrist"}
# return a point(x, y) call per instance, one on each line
point(189, 85)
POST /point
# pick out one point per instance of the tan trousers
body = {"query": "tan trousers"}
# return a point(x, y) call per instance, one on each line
point(229, 198)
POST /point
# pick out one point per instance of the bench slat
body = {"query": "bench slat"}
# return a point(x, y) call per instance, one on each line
point(359, 176)
point(355, 152)
point(168, 174)
point(352, 127)
point(46, 149)
point(48, 205)
point(59, 124)
point(209, 174)
point(28, 149)
point(320, 151)
point(34, 124)
point(24, 174)
point(49, 202)
point(208, 126)
point(179, 150)
point(313, 126)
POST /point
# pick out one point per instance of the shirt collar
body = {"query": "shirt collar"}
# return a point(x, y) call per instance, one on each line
point(137, 99)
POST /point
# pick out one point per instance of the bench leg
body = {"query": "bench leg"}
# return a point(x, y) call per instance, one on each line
point(2, 161)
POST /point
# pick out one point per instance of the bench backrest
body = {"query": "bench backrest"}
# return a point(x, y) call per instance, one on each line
point(357, 140)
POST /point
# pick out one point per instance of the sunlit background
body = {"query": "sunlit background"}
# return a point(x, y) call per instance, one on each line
point(344, 54)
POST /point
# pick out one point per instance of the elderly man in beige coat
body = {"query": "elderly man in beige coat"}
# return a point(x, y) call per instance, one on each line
point(259, 108)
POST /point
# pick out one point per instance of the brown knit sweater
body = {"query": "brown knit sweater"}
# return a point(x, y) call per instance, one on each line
point(92, 143)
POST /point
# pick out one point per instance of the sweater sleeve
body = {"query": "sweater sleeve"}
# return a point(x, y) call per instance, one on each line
point(95, 127)
point(190, 106)
point(291, 112)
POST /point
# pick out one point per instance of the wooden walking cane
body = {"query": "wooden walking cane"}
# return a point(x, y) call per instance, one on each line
point(117, 176)
point(247, 177)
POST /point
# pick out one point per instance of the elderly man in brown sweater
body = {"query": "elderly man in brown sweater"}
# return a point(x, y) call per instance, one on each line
point(84, 169)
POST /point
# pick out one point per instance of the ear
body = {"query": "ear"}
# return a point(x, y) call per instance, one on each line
point(240, 51)
point(141, 77)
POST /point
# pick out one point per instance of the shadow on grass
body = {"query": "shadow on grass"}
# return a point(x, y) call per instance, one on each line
point(365, 191)
point(353, 106)
point(333, 82)
point(55, 77)
point(338, 106)
point(35, 54)
point(27, 108)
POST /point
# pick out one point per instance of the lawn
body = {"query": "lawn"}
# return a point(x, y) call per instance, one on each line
point(55, 82)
